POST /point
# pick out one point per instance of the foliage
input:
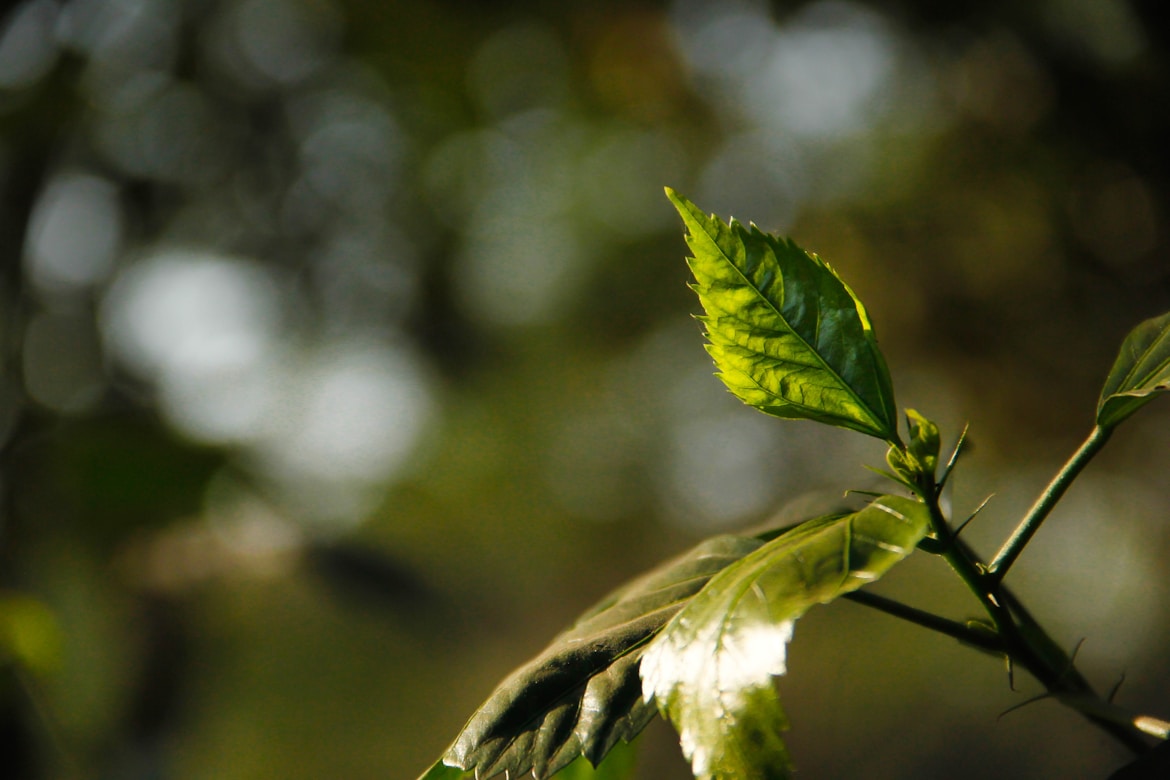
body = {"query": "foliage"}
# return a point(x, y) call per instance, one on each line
point(788, 336)
point(582, 694)
point(225, 224)
point(711, 667)
point(707, 633)
point(1142, 371)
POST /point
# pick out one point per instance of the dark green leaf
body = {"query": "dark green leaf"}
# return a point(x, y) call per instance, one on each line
point(711, 668)
point(787, 334)
point(582, 694)
point(1141, 372)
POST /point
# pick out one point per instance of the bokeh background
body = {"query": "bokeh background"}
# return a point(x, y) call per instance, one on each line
point(348, 354)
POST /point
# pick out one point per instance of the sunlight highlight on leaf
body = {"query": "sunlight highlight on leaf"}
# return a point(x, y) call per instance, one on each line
point(711, 668)
point(582, 695)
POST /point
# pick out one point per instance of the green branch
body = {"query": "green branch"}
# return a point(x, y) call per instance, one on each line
point(1025, 642)
point(1015, 544)
point(984, 640)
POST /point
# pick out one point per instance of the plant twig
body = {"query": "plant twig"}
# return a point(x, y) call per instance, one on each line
point(1015, 544)
point(955, 453)
point(1023, 639)
point(1110, 712)
point(984, 640)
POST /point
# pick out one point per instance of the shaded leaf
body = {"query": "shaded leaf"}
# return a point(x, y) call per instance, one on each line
point(1141, 371)
point(787, 334)
point(582, 694)
point(711, 668)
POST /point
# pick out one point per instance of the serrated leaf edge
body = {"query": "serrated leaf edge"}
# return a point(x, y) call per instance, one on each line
point(876, 425)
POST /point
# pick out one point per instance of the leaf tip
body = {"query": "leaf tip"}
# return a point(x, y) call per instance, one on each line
point(680, 203)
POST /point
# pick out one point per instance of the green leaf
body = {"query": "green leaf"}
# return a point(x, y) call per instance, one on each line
point(925, 441)
point(711, 668)
point(787, 334)
point(1141, 372)
point(618, 765)
point(582, 694)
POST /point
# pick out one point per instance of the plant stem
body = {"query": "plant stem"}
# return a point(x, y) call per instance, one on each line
point(1022, 639)
point(1015, 544)
point(964, 633)
point(1018, 635)
point(1155, 727)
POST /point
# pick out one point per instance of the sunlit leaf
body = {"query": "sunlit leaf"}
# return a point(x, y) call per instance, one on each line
point(582, 695)
point(1140, 373)
point(787, 334)
point(711, 668)
point(924, 441)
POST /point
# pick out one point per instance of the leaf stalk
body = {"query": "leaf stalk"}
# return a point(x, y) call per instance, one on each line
point(954, 629)
point(1011, 549)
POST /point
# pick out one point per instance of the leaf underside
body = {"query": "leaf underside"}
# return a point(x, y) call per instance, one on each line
point(1140, 373)
point(711, 668)
point(582, 694)
point(787, 334)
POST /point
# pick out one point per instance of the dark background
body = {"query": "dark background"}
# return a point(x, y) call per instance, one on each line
point(347, 356)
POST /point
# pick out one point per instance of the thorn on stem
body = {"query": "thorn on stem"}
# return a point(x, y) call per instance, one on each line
point(1021, 705)
point(973, 514)
point(1116, 688)
point(959, 446)
point(1072, 658)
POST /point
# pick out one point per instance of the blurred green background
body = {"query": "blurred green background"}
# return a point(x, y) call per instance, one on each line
point(347, 355)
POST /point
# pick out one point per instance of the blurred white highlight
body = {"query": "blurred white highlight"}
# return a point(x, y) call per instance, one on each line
point(74, 233)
